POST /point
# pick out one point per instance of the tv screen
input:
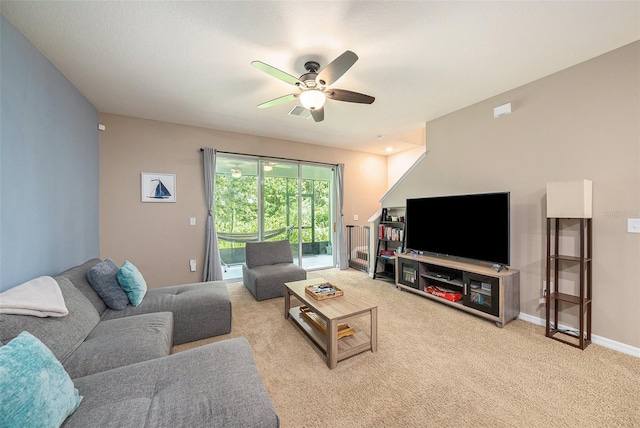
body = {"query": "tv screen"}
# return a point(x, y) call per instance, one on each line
point(466, 226)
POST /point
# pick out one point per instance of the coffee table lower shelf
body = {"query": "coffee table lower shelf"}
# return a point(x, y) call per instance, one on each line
point(348, 346)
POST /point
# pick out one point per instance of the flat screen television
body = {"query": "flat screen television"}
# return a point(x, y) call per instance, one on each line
point(472, 226)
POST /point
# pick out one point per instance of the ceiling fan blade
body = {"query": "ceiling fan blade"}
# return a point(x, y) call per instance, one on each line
point(278, 74)
point(334, 70)
point(349, 96)
point(318, 114)
point(278, 100)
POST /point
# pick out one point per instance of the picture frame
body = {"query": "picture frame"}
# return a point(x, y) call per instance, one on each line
point(157, 187)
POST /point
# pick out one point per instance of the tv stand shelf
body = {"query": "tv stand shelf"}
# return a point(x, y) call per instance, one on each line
point(454, 282)
point(485, 292)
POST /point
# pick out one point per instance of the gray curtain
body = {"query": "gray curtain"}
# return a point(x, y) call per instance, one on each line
point(212, 266)
point(341, 245)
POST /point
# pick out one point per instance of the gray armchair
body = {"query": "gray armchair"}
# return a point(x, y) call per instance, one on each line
point(268, 266)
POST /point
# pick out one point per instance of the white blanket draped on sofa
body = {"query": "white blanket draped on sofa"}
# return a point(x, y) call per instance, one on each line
point(39, 297)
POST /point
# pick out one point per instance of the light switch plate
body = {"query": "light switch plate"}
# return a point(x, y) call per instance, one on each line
point(633, 225)
point(192, 221)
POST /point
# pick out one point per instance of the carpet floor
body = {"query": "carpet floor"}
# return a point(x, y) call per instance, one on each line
point(435, 367)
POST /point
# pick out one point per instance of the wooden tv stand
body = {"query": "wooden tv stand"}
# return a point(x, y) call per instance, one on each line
point(485, 292)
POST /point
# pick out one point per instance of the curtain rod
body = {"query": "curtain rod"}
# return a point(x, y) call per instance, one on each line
point(271, 157)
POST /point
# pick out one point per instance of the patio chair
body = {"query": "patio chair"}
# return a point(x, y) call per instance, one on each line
point(269, 264)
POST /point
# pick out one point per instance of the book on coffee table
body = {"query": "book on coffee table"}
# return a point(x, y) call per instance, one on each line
point(321, 325)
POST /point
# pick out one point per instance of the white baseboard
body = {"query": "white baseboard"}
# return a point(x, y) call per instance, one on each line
point(598, 340)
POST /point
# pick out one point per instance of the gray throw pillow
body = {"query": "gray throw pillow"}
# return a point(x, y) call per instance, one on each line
point(103, 277)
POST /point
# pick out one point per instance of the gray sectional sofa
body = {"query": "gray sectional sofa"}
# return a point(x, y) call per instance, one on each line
point(120, 361)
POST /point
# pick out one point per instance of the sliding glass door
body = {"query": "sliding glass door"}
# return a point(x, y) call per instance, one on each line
point(262, 199)
point(316, 216)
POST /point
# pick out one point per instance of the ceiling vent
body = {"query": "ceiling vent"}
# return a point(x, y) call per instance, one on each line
point(300, 112)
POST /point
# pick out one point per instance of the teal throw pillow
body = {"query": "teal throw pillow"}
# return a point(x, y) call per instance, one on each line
point(36, 390)
point(132, 282)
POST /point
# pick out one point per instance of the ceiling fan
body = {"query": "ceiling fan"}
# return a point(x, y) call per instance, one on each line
point(314, 84)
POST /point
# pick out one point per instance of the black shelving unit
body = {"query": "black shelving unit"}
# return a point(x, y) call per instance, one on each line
point(390, 237)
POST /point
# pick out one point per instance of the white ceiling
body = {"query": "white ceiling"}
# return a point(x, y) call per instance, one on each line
point(189, 61)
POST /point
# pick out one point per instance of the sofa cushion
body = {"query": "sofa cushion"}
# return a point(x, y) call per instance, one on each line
point(267, 282)
point(132, 282)
point(123, 341)
point(36, 391)
point(267, 253)
point(78, 277)
point(62, 335)
point(103, 278)
point(216, 385)
point(199, 310)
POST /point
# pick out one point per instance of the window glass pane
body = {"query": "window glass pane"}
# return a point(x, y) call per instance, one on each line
point(278, 177)
point(236, 206)
point(316, 214)
point(321, 210)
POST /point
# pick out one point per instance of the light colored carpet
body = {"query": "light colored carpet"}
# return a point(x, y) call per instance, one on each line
point(435, 367)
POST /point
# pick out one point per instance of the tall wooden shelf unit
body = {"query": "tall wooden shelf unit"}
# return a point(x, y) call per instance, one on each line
point(567, 203)
point(555, 263)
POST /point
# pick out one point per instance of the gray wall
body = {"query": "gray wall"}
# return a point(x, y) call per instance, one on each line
point(582, 122)
point(48, 166)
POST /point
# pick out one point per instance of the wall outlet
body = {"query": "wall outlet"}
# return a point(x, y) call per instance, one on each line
point(633, 225)
point(543, 300)
point(355, 217)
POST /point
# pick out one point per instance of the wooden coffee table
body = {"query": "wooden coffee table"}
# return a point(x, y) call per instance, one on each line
point(334, 311)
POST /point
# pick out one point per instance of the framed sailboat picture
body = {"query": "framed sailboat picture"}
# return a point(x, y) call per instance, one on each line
point(158, 187)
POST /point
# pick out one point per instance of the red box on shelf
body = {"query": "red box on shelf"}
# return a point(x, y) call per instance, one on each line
point(453, 296)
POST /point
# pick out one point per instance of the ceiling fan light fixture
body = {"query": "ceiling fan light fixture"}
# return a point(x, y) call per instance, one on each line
point(313, 99)
point(236, 173)
point(313, 86)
